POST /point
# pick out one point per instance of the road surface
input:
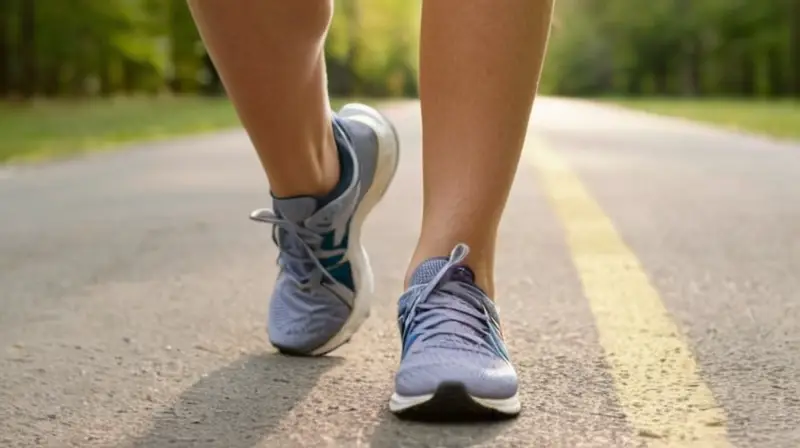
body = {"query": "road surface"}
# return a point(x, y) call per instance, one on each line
point(649, 280)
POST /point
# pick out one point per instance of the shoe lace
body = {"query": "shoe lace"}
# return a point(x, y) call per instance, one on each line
point(447, 310)
point(299, 249)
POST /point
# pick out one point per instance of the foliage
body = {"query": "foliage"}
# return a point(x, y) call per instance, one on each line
point(92, 47)
point(675, 47)
point(598, 47)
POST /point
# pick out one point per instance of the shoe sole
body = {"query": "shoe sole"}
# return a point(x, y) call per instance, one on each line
point(452, 402)
point(386, 167)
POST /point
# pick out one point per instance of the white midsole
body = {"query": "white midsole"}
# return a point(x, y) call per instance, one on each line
point(386, 166)
point(510, 406)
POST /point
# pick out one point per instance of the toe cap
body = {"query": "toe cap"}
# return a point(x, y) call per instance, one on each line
point(483, 377)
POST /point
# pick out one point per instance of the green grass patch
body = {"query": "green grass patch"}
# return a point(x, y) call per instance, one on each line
point(53, 129)
point(778, 118)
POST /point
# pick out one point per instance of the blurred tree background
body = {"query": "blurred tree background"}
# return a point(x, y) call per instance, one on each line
point(84, 48)
point(78, 48)
point(138, 69)
point(698, 48)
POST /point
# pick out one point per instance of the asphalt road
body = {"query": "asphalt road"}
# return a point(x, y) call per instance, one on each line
point(649, 280)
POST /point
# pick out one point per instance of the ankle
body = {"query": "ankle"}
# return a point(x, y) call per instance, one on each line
point(480, 261)
point(317, 175)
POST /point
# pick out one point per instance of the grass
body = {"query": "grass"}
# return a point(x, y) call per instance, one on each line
point(53, 129)
point(778, 118)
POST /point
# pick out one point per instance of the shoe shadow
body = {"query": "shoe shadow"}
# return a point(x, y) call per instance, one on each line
point(237, 405)
point(393, 432)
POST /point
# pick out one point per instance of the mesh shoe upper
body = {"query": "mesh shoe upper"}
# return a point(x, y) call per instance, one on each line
point(450, 333)
point(315, 290)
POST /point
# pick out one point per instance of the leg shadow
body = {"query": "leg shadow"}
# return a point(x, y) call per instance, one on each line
point(237, 405)
point(393, 432)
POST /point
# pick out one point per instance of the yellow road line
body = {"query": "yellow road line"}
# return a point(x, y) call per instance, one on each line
point(654, 371)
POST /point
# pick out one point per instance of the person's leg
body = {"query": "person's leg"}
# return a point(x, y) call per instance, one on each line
point(269, 55)
point(325, 173)
point(480, 66)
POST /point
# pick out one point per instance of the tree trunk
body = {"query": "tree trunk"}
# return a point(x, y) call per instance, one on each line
point(634, 83)
point(128, 76)
point(27, 47)
point(693, 77)
point(50, 82)
point(5, 47)
point(776, 80)
point(748, 69)
point(794, 45)
point(104, 70)
point(661, 78)
point(689, 77)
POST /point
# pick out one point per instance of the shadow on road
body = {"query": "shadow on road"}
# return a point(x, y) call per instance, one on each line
point(392, 432)
point(237, 405)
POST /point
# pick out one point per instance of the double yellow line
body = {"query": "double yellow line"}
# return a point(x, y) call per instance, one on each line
point(655, 373)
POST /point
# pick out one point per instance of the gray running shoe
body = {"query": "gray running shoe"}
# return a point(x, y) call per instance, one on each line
point(321, 295)
point(454, 363)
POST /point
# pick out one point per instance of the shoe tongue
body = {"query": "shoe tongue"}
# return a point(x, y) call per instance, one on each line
point(296, 209)
point(450, 304)
point(427, 270)
point(425, 273)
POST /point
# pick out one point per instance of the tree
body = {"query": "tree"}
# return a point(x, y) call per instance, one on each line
point(27, 48)
point(670, 47)
point(5, 48)
point(93, 47)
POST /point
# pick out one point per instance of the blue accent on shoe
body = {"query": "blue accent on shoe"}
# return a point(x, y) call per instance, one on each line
point(318, 301)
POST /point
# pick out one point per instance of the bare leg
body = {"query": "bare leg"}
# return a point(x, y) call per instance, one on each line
point(326, 174)
point(480, 66)
point(270, 57)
